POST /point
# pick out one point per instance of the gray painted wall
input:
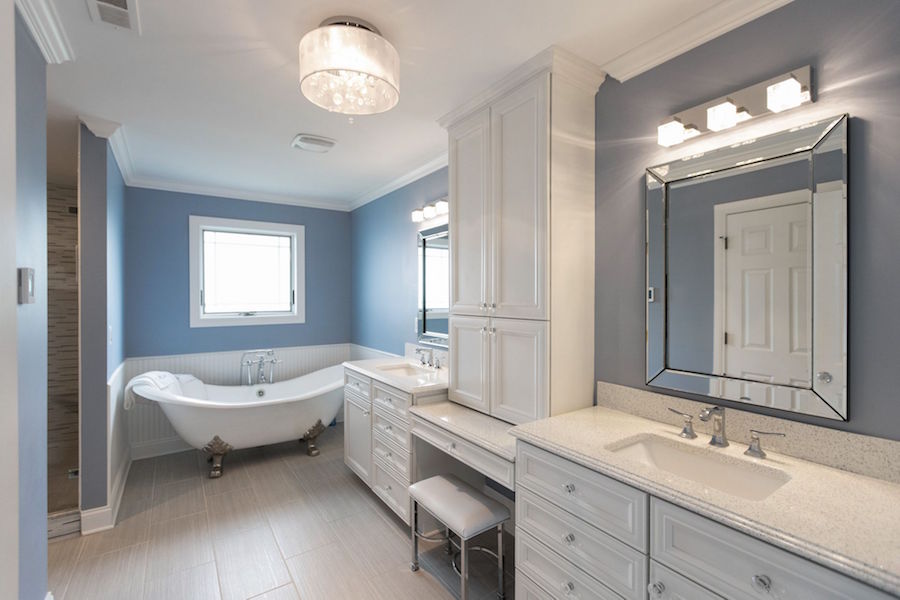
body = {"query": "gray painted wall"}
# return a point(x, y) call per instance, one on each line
point(31, 251)
point(385, 264)
point(92, 215)
point(854, 50)
point(157, 318)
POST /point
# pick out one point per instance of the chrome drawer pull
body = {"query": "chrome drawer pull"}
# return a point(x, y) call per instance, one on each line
point(762, 583)
point(656, 589)
point(569, 539)
point(569, 488)
point(568, 588)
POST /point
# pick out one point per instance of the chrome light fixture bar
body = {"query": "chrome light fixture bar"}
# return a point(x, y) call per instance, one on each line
point(432, 210)
point(774, 95)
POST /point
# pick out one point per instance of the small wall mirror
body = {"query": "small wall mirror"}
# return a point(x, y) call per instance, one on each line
point(747, 271)
point(434, 285)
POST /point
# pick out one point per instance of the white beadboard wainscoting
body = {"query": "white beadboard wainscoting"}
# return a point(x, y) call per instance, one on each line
point(149, 431)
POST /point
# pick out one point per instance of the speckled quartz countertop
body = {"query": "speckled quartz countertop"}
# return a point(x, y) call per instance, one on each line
point(480, 429)
point(428, 382)
point(845, 521)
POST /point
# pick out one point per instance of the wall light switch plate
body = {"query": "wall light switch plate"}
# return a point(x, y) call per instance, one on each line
point(26, 285)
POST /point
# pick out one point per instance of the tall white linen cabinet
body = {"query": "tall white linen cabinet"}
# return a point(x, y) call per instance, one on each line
point(521, 159)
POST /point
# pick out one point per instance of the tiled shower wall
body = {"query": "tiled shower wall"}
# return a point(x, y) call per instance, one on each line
point(62, 317)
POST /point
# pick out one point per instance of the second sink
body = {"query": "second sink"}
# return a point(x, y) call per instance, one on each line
point(748, 480)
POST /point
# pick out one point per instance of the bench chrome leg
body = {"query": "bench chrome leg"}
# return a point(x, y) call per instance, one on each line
point(414, 526)
point(501, 590)
point(464, 569)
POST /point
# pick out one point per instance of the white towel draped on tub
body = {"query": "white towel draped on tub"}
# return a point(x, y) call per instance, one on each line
point(162, 380)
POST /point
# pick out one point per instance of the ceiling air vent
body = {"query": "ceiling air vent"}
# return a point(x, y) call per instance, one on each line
point(312, 143)
point(121, 14)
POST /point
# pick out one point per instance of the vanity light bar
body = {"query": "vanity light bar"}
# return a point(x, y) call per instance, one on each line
point(430, 211)
point(766, 97)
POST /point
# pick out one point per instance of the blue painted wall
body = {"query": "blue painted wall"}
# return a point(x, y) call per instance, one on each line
point(115, 265)
point(31, 319)
point(157, 318)
point(854, 49)
point(93, 217)
point(385, 264)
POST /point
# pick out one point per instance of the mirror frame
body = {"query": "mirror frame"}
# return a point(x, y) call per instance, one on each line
point(430, 338)
point(819, 400)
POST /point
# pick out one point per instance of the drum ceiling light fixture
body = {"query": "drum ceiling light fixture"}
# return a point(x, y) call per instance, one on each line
point(347, 67)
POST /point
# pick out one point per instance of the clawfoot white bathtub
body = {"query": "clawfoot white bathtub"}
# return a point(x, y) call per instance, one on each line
point(221, 418)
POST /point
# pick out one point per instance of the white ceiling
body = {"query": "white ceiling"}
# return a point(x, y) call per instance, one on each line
point(209, 99)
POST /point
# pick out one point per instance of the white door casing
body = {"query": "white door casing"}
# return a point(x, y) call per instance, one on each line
point(520, 207)
point(470, 222)
point(763, 292)
point(519, 369)
point(469, 370)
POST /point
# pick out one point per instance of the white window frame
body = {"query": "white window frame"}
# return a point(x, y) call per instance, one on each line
point(198, 224)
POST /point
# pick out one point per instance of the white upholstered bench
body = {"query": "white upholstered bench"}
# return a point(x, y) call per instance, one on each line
point(464, 511)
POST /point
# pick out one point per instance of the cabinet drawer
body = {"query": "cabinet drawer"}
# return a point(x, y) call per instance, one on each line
point(391, 488)
point(554, 574)
point(616, 508)
point(666, 584)
point(526, 589)
point(388, 428)
point(357, 383)
point(616, 564)
point(496, 467)
point(388, 453)
point(394, 402)
point(741, 567)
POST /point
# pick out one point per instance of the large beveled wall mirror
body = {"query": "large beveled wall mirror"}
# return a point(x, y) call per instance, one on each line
point(434, 285)
point(747, 271)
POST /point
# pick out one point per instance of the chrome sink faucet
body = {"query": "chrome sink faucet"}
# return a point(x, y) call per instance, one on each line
point(717, 414)
point(421, 352)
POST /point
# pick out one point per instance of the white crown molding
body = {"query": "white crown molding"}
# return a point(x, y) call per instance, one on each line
point(687, 35)
point(554, 59)
point(236, 194)
point(428, 168)
point(119, 146)
point(47, 30)
point(102, 128)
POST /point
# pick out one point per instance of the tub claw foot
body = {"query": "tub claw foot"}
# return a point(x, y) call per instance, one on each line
point(217, 449)
point(310, 438)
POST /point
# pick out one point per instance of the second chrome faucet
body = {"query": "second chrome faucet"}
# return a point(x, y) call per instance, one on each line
point(717, 414)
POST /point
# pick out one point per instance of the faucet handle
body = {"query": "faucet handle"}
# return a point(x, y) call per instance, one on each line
point(755, 449)
point(687, 431)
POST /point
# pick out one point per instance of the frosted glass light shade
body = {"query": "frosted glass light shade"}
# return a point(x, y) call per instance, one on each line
point(349, 70)
point(430, 211)
point(417, 215)
point(442, 206)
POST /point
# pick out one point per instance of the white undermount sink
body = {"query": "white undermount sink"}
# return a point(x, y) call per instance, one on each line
point(404, 370)
point(705, 466)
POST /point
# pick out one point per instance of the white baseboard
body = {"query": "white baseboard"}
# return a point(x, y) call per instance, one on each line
point(158, 448)
point(118, 489)
point(95, 520)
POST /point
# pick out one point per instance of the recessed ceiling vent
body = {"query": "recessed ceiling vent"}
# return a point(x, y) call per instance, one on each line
point(312, 143)
point(121, 14)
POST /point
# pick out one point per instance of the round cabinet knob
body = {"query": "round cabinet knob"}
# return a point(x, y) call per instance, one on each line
point(389, 400)
point(762, 583)
point(568, 588)
point(656, 589)
point(389, 455)
point(388, 428)
point(569, 488)
point(453, 445)
point(824, 377)
point(569, 538)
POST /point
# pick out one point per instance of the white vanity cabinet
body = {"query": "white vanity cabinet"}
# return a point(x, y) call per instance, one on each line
point(521, 161)
point(582, 534)
point(377, 443)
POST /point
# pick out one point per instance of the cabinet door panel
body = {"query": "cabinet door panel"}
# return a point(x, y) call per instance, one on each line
point(469, 161)
point(520, 369)
point(520, 202)
point(469, 362)
point(358, 436)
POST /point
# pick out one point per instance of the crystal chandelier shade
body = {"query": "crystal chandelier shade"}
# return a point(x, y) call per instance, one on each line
point(347, 67)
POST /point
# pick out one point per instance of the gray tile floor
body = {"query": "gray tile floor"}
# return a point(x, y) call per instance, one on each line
point(277, 525)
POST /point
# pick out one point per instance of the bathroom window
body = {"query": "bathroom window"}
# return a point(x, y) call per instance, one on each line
point(246, 272)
